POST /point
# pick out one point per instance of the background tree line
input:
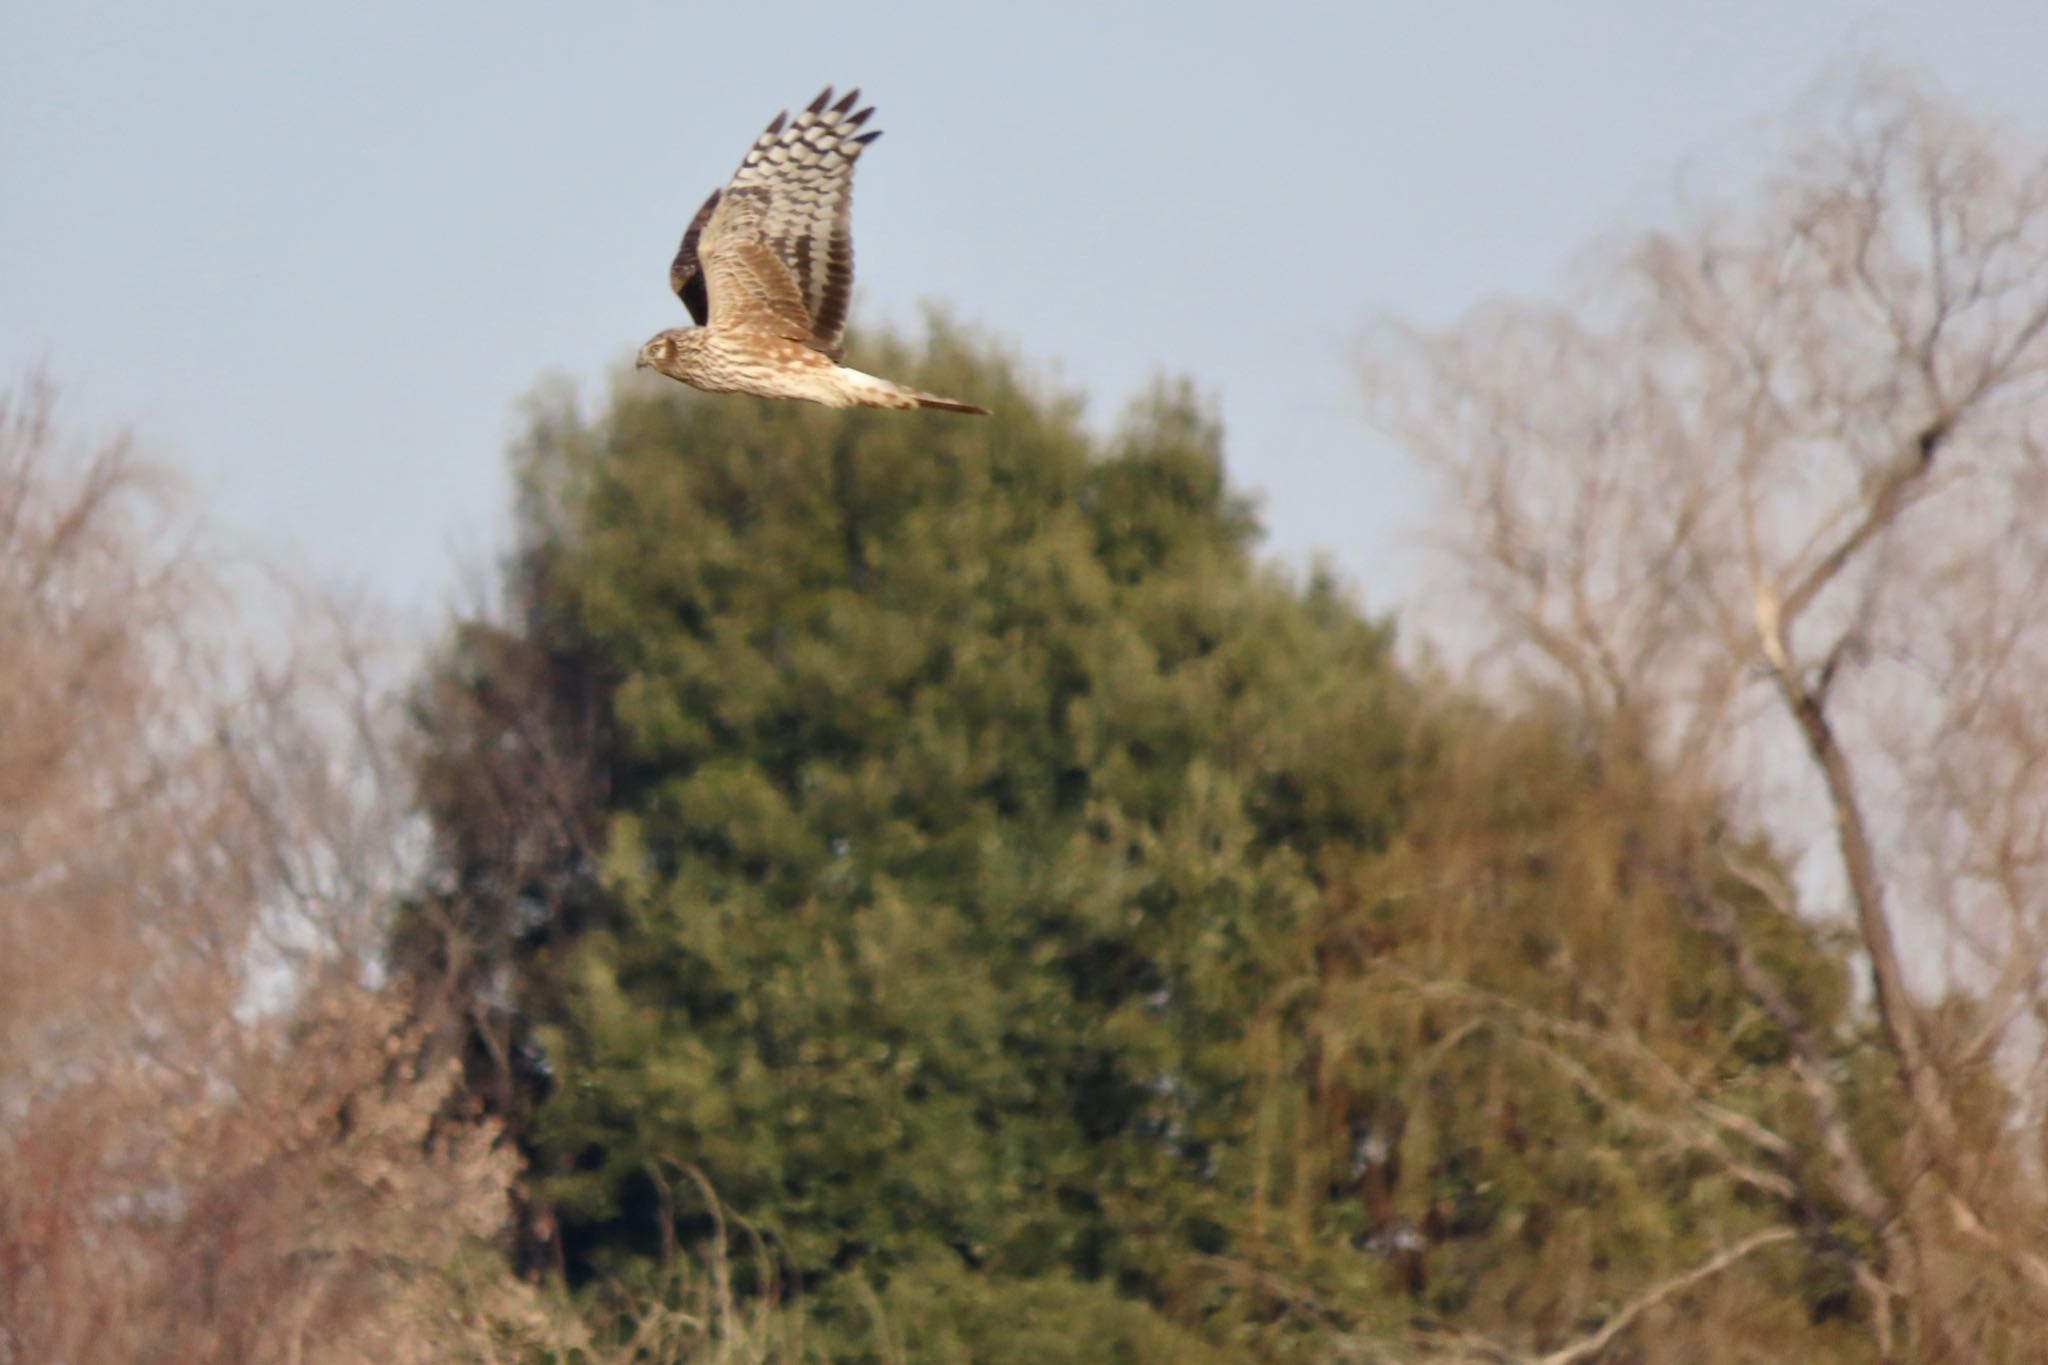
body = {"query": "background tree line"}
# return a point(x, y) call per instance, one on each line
point(927, 891)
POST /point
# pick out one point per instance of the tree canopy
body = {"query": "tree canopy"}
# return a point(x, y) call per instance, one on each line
point(1015, 900)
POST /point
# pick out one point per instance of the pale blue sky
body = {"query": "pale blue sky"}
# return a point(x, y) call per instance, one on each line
point(315, 254)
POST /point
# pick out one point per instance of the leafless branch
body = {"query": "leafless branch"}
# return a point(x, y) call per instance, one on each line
point(1593, 1345)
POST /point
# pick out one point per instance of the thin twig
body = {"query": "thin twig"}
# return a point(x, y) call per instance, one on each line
point(1591, 1346)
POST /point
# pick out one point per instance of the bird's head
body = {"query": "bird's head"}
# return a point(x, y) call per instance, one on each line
point(660, 350)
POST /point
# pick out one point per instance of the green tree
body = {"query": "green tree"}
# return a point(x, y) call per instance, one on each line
point(1057, 934)
point(956, 777)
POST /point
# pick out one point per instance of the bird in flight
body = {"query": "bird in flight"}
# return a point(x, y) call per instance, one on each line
point(766, 270)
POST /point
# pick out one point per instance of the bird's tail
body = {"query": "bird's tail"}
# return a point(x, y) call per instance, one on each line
point(867, 391)
point(930, 400)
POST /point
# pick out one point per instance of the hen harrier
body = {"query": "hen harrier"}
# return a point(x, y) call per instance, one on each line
point(766, 270)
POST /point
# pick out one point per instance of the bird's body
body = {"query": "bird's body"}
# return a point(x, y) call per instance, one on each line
point(766, 270)
point(760, 363)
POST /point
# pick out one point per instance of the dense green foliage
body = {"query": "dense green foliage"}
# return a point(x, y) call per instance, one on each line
point(1059, 936)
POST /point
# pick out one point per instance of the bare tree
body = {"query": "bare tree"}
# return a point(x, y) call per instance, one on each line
point(1769, 499)
point(210, 1149)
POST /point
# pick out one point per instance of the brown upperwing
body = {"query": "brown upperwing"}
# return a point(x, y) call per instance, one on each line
point(751, 289)
point(686, 272)
point(796, 182)
point(789, 199)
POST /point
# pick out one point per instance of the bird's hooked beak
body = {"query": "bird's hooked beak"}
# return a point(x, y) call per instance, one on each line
point(641, 362)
